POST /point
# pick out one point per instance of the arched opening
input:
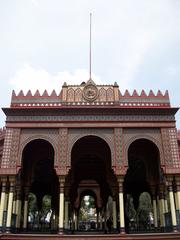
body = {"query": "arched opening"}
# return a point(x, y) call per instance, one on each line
point(87, 212)
point(91, 173)
point(39, 178)
point(143, 172)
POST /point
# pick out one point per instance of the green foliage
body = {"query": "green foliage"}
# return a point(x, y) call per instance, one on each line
point(130, 210)
point(87, 203)
point(145, 207)
point(32, 203)
point(46, 205)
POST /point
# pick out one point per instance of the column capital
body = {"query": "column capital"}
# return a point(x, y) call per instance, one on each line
point(4, 183)
point(18, 192)
point(26, 192)
point(61, 183)
point(177, 184)
point(12, 180)
point(153, 189)
point(170, 186)
point(4, 179)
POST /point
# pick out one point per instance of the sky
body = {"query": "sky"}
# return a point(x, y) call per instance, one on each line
point(44, 43)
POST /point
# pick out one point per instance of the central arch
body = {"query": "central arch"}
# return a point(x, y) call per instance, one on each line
point(91, 171)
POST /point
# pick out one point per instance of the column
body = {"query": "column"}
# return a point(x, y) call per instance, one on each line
point(178, 197)
point(61, 204)
point(18, 208)
point(154, 207)
point(3, 198)
point(66, 222)
point(165, 202)
point(121, 205)
point(172, 206)
point(10, 204)
point(14, 203)
point(97, 218)
point(161, 208)
point(76, 220)
point(114, 216)
point(25, 215)
point(6, 199)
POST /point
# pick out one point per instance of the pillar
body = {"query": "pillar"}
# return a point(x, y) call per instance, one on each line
point(114, 216)
point(178, 193)
point(10, 204)
point(25, 215)
point(121, 205)
point(14, 203)
point(165, 202)
point(100, 220)
point(3, 199)
point(161, 208)
point(172, 205)
point(18, 207)
point(155, 207)
point(66, 222)
point(178, 197)
point(6, 199)
point(97, 218)
point(75, 220)
point(61, 204)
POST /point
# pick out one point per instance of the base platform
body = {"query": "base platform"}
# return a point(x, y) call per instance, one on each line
point(154, 236)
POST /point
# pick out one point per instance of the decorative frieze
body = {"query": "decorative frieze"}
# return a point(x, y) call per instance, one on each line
point(118, 150)
point(170, 147)
point(89, 117)
point(63, 136)
point(10, 148)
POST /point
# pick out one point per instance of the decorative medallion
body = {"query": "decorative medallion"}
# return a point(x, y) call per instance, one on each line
point(90, 92)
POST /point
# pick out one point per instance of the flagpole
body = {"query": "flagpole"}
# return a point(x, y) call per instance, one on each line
point(90, 46)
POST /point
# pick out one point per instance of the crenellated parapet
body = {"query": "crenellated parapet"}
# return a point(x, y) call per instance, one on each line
point(90, 94)
point(145, 100)
point(37, 100)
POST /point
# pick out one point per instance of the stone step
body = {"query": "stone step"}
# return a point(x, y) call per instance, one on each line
point(162, 236)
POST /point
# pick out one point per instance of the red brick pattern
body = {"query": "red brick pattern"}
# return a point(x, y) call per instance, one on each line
point(7, 149)
point(62, 161)
point(170, 146)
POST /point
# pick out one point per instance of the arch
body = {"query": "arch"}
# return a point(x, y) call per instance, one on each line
point(78, 95)
point(70, 95)
point(102, 94)
point(40, 137)
point(146, 137)
point(86, 134)
point(110, 94)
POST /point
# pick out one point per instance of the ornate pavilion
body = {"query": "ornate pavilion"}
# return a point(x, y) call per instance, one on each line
point(90, 140)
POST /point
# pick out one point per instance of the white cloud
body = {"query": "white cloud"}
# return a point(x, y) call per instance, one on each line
point(35, 2)
point(29, 78)
point(173, 70)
